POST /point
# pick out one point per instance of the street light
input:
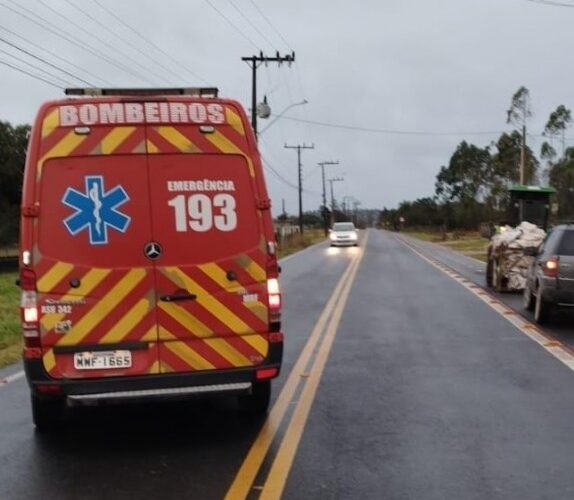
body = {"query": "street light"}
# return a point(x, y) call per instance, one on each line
point(276, 117)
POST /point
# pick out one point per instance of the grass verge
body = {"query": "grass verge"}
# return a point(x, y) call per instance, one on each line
point(297, 243)
point(467, 243)
point(10, 339)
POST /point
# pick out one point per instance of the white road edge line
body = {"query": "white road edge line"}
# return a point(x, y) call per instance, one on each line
point(552, 346)
point(11, 378)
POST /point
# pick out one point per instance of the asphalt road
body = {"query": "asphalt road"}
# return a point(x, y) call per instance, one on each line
point(398, 383)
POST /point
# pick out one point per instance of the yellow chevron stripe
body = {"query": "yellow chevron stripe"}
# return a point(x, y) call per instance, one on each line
point(92, 279)
point(234, 120)
point(49, 360)
point(154, 368)
point(125, 325)
point(151, 147)
point(187, 354)
point(186, 319)
point(70, 142)
point(112, 140)
point(257, 308)
point(103, 307)
point(165, 368)
point(258, 342)
point(180, 141)
point(256, 271)
point(150, 335)
point(56, 273)
point(228, 352)
point(220, 277)
point(50, 123)
point(226, 146)
point(206, 300)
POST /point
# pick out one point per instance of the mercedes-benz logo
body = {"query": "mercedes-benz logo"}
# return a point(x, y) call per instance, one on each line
point(152, 250)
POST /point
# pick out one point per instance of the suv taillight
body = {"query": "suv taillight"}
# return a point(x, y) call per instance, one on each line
point(551, 266)
point(29, 308)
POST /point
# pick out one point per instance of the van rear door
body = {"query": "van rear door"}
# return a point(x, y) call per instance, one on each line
point(96, 290)
point(211, 278)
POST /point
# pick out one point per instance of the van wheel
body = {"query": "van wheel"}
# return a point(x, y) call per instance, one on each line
point(541, 308)
point(257, 402)
point(48, 414)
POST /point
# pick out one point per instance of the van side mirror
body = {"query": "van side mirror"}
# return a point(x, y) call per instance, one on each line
point(531, 251)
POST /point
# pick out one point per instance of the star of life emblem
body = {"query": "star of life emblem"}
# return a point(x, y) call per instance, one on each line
point(96, 210)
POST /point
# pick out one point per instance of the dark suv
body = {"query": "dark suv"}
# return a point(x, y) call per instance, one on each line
point(550, 278)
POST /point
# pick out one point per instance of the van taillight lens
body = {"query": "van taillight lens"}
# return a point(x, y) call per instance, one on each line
point(274, 303)
point(551, 267)
point(29, 309)
point(274, 294)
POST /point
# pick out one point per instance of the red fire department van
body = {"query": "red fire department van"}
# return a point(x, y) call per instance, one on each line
point(148, 265)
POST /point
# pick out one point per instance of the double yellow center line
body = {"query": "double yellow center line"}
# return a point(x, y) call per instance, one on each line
point(307, 374)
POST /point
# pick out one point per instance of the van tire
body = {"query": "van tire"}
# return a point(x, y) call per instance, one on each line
point(257, 402)
point(48, 414)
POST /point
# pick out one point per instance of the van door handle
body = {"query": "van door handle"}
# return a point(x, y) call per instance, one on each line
point(178, 296)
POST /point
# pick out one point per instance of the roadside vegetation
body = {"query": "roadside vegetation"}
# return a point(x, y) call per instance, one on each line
point(10, 341)
point(297, 243)
point(469, 243)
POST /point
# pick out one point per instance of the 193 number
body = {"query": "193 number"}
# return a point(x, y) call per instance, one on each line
point(200, 213)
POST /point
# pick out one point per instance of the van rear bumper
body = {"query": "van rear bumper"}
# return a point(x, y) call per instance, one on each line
point(168, 385)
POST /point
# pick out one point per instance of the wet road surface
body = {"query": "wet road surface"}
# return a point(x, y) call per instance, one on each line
point(398, 383)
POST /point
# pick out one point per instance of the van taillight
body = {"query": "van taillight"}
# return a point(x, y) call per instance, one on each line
point(551, 266)
point(274, 302)
point(29, 308)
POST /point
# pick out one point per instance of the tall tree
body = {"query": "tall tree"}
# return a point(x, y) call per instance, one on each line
point(467, 175)
point(518, 114)
point(558, 121)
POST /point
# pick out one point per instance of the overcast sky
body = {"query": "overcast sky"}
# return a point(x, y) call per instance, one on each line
point(435, 66)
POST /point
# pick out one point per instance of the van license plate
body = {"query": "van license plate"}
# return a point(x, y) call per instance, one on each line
point(102, 360)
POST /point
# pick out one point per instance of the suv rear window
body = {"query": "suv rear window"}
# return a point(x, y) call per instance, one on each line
point(566, 246)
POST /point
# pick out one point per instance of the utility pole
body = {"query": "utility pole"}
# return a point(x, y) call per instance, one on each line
point(254, 62)
point(334, 179)
point(322, 165)
point(299, 147)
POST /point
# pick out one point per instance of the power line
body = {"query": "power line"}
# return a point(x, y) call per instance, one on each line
point(50, 27)
point(387, 131)
point(126, 68)
point(29, 74)
point(37, 68)
point(552, 3)
point(53, 54)
point(254, 26)
point(232, 25)
point(151, 44)
point(44, 61)
point(122, 39)
point(287, 44)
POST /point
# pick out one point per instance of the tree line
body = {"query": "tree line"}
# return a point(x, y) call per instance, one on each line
point(473, 186)
point(13, 144)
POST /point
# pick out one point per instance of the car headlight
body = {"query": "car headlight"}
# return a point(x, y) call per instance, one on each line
point(332, 236)
point(353, 236)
